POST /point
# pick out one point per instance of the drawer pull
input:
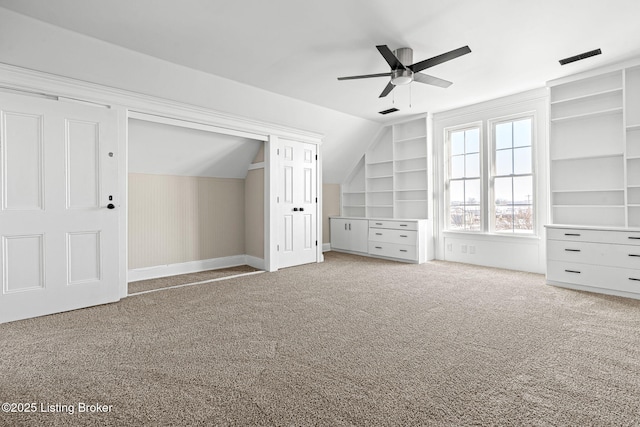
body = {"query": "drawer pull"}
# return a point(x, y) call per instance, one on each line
point(634, 279)
point(574, 234)
point(403, 235)
point(378, 234)
point(403, 250)
point(378, 247)
point(634, 238)
point(634, 255)
point(405, 225)
point(378, 223)
point(572, 271)
point(572, 250)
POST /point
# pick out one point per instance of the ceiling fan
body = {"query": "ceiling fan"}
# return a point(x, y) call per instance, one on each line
point(401, 73)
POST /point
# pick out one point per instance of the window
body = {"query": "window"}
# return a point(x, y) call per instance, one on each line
point(513, 176)
point(464, 182)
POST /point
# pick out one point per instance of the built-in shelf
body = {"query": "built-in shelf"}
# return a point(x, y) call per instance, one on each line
point(411, 201)
point(354, 192)
point(412, 170)
point(631, 128)
point(380, 162)
point(413, 138)
point(587, 96)
point(589, 206)
point(588, 157)
point(589, 114)
point(583, 190)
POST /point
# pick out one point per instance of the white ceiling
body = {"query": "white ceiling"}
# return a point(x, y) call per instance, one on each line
point(298, 48)
point(156, 148)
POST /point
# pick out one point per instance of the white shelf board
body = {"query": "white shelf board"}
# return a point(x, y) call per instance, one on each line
point(589, 206)
point(591, 114)
point(586, 96)
point(631, 128)
point(410, 139)
point(588, 157)
point(582, 190)
point(412, 201)
point(412, 189)
point(412, 170)
point(380, 162)
point(354, 206)
point(380, 176)
point(380, 191)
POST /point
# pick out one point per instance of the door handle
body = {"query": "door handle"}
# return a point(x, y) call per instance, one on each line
point(111, 206)
point(301, 209)
point(295, 209)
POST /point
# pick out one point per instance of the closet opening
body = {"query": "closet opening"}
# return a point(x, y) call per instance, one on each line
point(195, 203)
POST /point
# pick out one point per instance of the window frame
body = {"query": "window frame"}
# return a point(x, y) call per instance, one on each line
point(479, 125)
point(491, 211)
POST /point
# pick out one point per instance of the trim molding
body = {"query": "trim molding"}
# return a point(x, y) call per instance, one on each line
point(187, 267)
point(326, 247)
point(254, 262)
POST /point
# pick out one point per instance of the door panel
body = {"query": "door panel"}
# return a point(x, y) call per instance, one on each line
point(298, 204)
point(57, 171)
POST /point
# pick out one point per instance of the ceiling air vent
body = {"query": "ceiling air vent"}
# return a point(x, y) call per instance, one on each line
point(390, 110)
point(579, 57)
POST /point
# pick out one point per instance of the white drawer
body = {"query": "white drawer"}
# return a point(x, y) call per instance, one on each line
point(605, 236)
point(393, 250)
point(620, 279)
point(403, 237)
point(398, 225)
point(624, 256)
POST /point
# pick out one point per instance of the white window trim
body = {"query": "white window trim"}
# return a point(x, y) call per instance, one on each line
point(447, 172)
point(491, 124)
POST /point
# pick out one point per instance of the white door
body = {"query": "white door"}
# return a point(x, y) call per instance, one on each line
point(58, 173)
point(298, 192)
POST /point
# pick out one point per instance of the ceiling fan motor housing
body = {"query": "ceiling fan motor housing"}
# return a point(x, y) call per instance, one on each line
point(403, 76)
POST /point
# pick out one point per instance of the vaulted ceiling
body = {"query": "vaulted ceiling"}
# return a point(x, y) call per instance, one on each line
point(298, 48)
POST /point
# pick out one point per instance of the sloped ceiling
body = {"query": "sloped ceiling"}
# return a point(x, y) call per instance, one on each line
point(156, 148)
point(298, 48)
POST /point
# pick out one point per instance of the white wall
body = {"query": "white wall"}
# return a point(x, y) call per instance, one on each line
point(33, 44)
point(496, 250)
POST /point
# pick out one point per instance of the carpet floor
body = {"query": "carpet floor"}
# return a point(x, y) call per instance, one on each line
point(352, 341)
point(165, 282)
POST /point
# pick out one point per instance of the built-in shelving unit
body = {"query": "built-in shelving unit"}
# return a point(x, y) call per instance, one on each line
point(632, 140)
point(391, 180)
point(591, 165)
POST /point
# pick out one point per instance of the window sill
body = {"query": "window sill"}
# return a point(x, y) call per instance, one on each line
point(479, 235)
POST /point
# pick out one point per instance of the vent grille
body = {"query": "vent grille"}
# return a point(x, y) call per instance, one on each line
point(390, 110)
point(580, 56)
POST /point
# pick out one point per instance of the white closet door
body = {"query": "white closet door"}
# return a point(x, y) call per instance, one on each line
point(59, 241)
point(298, 192)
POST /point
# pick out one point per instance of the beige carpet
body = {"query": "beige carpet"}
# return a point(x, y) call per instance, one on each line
point(165, 282)
point(352, 341)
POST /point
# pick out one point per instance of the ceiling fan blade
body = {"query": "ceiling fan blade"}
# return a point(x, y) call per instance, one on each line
point(423, 65)
point(430, 80)
point(365, 76)
point(387, 89)
point(391, 59)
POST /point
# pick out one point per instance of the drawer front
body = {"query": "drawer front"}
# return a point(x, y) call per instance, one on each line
point(403, 237)
point(624, 256)
point(620, 279)
point(393, 250)
point(602, 236)
point(398, 225)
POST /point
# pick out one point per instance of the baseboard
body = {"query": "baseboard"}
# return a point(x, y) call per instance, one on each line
point(326, 247)
point(254, 262)
point(189, 267)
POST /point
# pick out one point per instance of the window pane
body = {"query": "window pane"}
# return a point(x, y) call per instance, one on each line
point(523, 218)
point(472, 141)
point(522, 160)
point(504, 164)
point(523, 190)
point(504, 135)
point(456, 193)
point(522, 133)
point(472, 217)
point(472, 165)
point(504, 218)
point(457, 143)
point(503, 191)
point(456, 217)
point(457, 166)
point(472, 191)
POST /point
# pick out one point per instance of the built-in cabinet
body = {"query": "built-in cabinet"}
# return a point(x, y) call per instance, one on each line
point(595, 183)
point(595, 150)
point(401, 240)
point(349, 234)
point(598, 259)
point(392, 178)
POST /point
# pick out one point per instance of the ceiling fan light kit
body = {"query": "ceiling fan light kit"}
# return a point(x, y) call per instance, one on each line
point(403, 74)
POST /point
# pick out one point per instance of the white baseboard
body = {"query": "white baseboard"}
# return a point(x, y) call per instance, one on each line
point(326, 247)
point(193, 267)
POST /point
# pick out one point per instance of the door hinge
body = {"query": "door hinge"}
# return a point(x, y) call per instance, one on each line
point(316, 200)
point(278, 151)
point(278, 248)
point(278, 199)
point(316, 157)
point(316, 243)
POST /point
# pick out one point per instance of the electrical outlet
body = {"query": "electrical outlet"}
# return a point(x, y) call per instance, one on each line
point(472, 249)
point(463, 249)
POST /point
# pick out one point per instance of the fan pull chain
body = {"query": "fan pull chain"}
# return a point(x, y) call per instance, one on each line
point(409, 96)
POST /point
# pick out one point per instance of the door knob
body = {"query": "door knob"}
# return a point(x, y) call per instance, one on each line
point(111, 206)
point(301, 209)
